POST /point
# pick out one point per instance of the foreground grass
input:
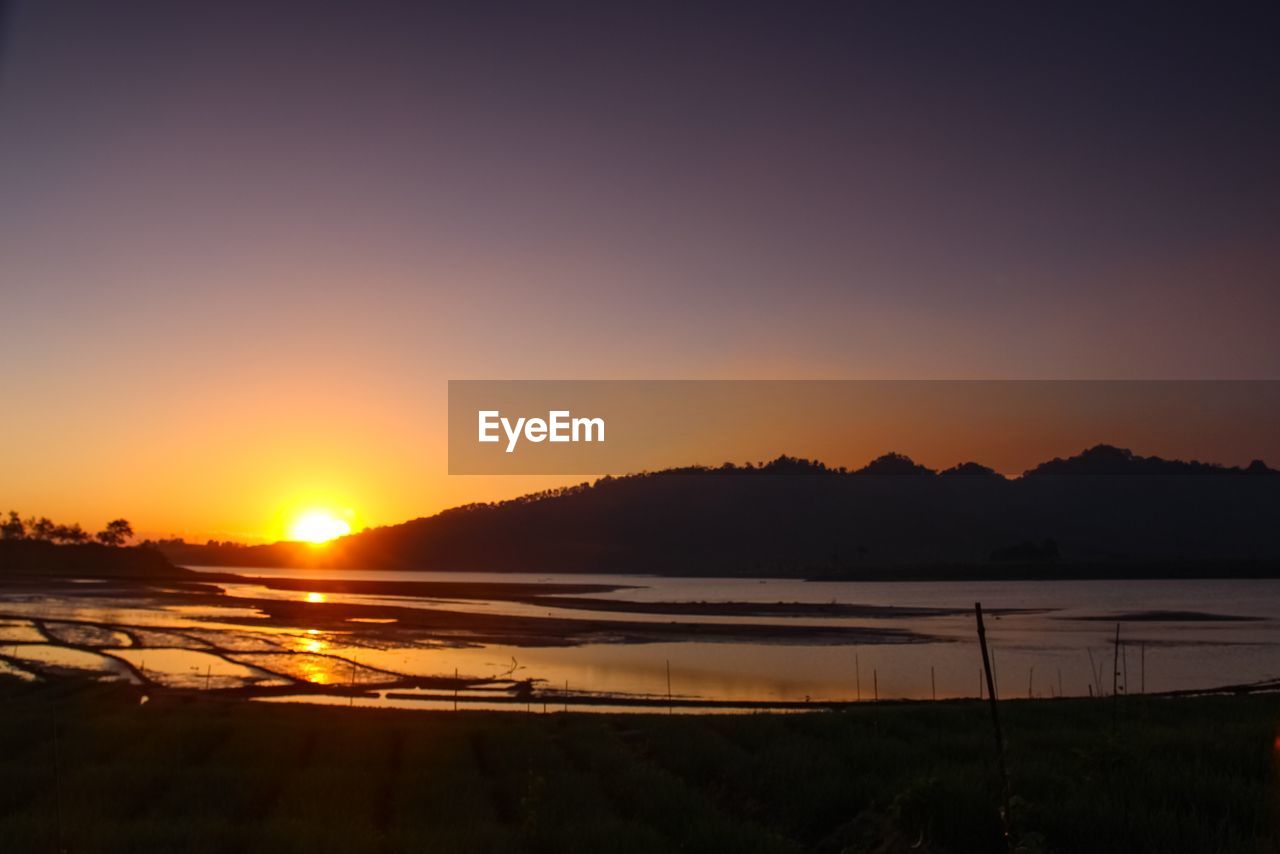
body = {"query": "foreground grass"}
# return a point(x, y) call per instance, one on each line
point(1193, 775)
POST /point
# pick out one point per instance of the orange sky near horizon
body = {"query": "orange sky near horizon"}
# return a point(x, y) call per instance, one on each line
point(242, 250)
point(206, 471)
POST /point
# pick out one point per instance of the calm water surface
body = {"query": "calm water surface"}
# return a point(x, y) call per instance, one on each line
point(1039, 653)
point(1058, 647)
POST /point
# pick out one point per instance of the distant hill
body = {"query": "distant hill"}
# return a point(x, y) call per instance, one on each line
point(1109, 460)
point(795, 517)
point(90, 560)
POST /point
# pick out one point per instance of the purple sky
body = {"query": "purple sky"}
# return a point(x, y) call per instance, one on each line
point(238, 236)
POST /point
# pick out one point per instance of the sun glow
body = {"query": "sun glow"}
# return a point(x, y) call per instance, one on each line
point(318, 526)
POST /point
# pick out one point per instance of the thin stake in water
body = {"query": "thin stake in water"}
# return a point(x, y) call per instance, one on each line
point(669, 711)
point(1115, 677)
point(1124, 662)
point(995, 716)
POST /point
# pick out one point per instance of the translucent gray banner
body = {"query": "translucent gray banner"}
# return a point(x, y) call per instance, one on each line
point(582, 427)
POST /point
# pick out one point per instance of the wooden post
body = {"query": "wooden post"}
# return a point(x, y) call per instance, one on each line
point(1142, 652)
point(995, 717)
point(566, 695)
point(875, 684)
point(455, 689)
point(1059, 681)
point(933, 683)
point(1124, 664)
point(857, 672)
point(1031, 674)
point(995, 674)
point(207, 675)
point(1115, 677)
point(669, 686)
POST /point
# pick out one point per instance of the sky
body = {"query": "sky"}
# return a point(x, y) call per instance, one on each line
point(244, 246)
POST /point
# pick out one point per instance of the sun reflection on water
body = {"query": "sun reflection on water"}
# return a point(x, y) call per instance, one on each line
point(312, 641)
point(317, 671)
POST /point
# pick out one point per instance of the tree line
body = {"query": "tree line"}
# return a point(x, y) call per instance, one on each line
point(116, 533)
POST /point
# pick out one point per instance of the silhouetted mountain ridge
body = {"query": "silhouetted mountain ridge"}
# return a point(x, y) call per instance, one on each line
point(793, 516)
point(1110, 460)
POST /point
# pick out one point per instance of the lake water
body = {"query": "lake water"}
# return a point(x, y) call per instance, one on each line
point(1062, 643)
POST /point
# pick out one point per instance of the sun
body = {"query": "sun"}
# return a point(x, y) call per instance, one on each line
point(318, 526)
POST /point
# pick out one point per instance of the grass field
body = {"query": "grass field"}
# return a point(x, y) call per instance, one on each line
point(87, 768)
